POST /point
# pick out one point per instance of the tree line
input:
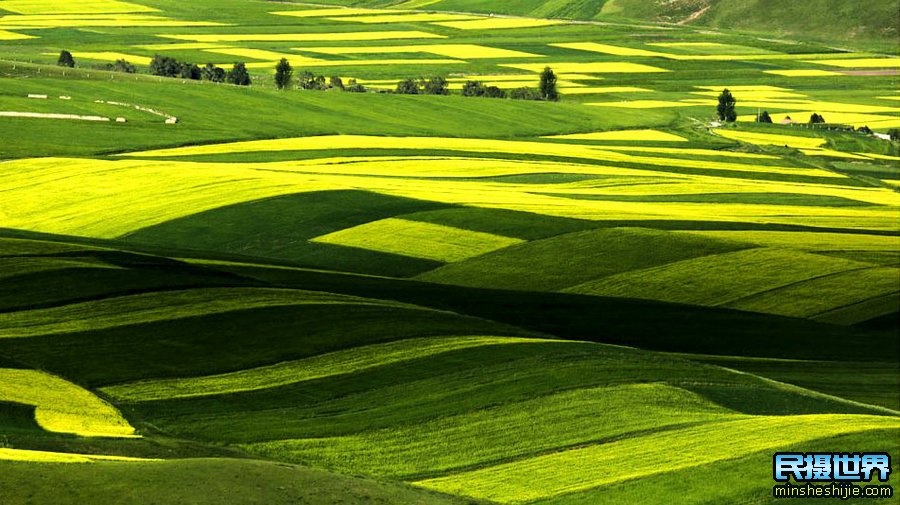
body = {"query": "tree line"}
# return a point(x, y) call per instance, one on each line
point(165, 66)
point(436, 85)
point(284, 78)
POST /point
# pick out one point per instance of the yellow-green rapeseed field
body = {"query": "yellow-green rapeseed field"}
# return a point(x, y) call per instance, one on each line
point(61, 406)
point(419, 240)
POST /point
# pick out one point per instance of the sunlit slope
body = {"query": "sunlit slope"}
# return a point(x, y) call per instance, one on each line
point(393, 206)
point(697, 484)
point(575, 471)
point(60, 406)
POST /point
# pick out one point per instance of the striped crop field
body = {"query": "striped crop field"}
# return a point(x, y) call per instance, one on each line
point(62, 7)
point(627, 135)
point(524, 481)
point(305, 37)
point(445, 252)
point(461, 51)
point(750, 271)
point(25, 455)
point(325, 365)
point(497, 23)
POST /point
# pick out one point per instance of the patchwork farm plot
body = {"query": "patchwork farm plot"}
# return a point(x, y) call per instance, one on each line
point(214, 293)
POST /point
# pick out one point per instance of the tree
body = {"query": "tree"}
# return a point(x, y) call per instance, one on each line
point(548, 85)
point(308, 80)
point(866, 130)
point(122, 65)
point(437, 86)
point(894, 133)
point(66, 59)
point(494, 92)
point(212, 73)
point(407, 87)
point(190, 71)
point(473, 88)
point(354, 87)
point(165, 66)
point(726, 109)
point(337, 83)
point(525, 93)
point(284, 73)
point(764, 117)
point(816, 119)
point(238, 75)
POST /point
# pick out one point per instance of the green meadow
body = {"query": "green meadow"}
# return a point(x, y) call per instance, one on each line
point(213, 293)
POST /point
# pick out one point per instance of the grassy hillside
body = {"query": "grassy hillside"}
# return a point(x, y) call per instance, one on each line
point(817, 19)
point(199, 482)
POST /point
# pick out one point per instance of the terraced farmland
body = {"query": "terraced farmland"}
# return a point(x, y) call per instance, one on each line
point(213, 293)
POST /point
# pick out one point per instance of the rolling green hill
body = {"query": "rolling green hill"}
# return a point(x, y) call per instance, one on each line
point(379, 388)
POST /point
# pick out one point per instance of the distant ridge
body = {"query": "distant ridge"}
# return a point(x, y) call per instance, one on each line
point(810, 19)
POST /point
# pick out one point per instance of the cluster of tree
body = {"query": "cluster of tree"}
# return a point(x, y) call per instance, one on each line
point(165, 66)
point(726, 110)
point(284, 75)
point(439, 86)
point(308, 80)
point(817, 119)
point(477, 88)
point(433, 86)
point(121, 65)
point(213, 73)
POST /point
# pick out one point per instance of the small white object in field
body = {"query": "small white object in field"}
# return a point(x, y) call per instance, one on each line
point(121, 120)
point(64, 97)
point(169, 119)
point(51, 116)
point(34, 95)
